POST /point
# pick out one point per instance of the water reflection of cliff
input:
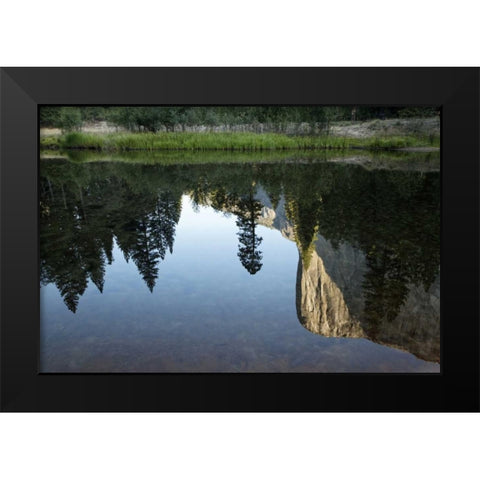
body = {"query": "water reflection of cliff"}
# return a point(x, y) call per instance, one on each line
point(368, 241)
point(322, 308)
point(343, 292)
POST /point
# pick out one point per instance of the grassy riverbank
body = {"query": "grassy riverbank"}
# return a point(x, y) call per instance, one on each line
point(188, 141)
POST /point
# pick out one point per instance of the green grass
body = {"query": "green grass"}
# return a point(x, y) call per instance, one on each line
point(48, 143)
point(176, 157)
point(124, 142)
point(370, 159)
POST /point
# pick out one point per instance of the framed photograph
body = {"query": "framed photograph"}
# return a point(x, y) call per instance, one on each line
point(239, 239)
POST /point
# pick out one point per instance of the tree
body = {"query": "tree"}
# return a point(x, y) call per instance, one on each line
point(249, 256)
point(70, 119)
point(145, 255)
point(49, 117)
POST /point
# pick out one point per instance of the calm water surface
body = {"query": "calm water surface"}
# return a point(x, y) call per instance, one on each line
point(307, 266)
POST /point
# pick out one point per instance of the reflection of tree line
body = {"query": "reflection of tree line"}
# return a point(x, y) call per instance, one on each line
point(83, 211)
point(392, 216)
point(79, 223)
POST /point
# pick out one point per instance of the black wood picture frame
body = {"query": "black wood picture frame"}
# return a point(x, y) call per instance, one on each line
point(456, 388)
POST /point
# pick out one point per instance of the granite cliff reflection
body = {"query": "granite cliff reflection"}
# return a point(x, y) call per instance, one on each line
point(368, 241)
point(323, 309)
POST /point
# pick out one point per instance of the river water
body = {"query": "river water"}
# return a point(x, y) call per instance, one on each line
point(250, 266)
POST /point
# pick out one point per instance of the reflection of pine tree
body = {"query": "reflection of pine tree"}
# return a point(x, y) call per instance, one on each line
point(71, 278)
point(71, 291)
point(385, 289)
point(79, 224)
point(145, 255)
point(107, 245)
point(200, 193)
point(163, 226)
point(61, 246)
point(250, 257)
point(155, 233)
point(95, 263)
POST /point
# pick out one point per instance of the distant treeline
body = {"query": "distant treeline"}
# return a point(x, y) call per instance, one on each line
point(153, 119)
